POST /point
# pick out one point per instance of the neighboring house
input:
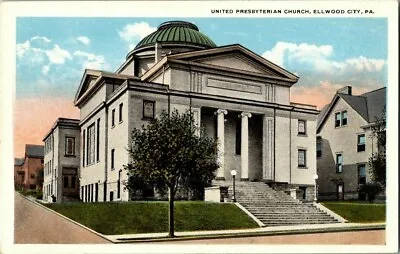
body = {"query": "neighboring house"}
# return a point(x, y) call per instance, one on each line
point(238, 97)
point(32, 167)
point(61, 161)
point(345, 143)
point(19, 173)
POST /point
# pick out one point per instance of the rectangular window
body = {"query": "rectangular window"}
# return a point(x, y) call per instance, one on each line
point(119, 185)
point(319, 149)
point(91, 193)
point(238, 144)
point(341, 119)
point(148, 109)
point(113, 118)
point(339, 163)
point(83, 148)
point(66, 185)
point(96, 192)
point(69, 146)
point(98, 141)
point(90, 144)
point(338, 119)
point(362, 177)
point(82, 193)
point(302, 127)
point(105, 192)
point(120, 112)
point(344, 118)
point(112, 158)
point(302, 158)
point(361, 143)
point(111, 195)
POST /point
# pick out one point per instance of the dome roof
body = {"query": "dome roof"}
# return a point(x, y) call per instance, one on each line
point(177, 32)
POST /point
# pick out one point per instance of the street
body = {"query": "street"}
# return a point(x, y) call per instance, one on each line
point(34, 224)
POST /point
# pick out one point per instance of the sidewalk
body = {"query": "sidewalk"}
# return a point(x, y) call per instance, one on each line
point(265, 231)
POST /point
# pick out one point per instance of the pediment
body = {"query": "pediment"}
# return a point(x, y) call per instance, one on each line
point(238, 58)
point(88, 80)
point(236, 61)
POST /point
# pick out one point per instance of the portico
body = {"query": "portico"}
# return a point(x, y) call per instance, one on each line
point(243, 142)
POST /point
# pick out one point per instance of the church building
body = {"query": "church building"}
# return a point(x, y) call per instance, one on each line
point(237, 96)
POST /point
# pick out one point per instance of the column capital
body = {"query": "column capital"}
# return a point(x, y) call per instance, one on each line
point(245, 114)
point(221, 111)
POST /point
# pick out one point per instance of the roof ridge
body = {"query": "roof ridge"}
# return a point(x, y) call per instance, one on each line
point(374, 90)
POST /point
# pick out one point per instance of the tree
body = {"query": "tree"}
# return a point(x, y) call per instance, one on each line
point(168, 153)
point(377, 161)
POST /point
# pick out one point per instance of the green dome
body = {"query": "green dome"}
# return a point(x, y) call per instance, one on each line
point(179, 32)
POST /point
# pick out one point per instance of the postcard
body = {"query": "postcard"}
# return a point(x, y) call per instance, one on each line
point(201, 127)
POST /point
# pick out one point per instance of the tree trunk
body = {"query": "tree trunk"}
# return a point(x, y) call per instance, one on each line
point(171, 213)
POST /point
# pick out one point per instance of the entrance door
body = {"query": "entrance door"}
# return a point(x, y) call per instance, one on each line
point(340, 192)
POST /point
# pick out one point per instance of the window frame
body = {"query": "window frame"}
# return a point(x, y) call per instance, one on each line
point(337, 164)
point(98, 140)
point(112, 159)
point(300, 150)
point(304, 133)
point(342, 120)
point(120, 108)
point(113, 118)
point(144, 116)
point(338, 123)
point(361, 147)
point(83, 148)
point(66, 152)
point(358, 173)
point(91, 145)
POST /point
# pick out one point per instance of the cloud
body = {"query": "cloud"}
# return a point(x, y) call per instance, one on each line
point(91, 61)
point(85, 40)
point(318, 58)
point(22, 48)
point(135, 32)
point(57, 55)
point(45, 69)
point(45, 39)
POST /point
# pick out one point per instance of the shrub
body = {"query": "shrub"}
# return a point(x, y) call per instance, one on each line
point(371, 190)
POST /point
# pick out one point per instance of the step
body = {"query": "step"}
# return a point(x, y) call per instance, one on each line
point(275, 207)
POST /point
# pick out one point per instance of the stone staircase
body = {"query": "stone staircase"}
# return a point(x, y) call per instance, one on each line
point(275, 208)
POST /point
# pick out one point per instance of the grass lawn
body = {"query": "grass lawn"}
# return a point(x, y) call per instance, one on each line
point(358, 211)
point(151, 217)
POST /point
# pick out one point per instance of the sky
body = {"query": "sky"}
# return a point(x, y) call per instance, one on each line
point(52, 54)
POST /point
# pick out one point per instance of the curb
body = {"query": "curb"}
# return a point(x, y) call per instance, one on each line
point(249, 234)
point(62, 216)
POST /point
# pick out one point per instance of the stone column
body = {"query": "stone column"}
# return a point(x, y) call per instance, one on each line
point(221, 142)
point(244, 149)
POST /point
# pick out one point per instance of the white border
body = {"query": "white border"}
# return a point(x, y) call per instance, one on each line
point(10, 10)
